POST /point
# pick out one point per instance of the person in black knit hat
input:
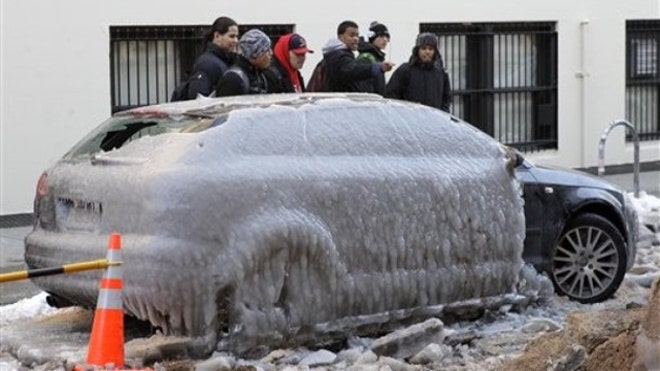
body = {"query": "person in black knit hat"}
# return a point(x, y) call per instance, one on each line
point(423, 78)
point(373, 52)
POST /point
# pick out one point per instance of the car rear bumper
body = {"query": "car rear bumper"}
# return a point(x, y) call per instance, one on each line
point(148, 264)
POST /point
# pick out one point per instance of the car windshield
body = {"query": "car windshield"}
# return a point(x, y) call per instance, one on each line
point(120, 130)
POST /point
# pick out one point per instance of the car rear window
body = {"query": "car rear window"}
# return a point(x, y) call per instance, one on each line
point(119, 130)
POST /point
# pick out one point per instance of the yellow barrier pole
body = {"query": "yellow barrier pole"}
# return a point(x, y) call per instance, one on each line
point(66, 268)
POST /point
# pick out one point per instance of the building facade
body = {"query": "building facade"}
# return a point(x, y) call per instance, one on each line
point(545, 77)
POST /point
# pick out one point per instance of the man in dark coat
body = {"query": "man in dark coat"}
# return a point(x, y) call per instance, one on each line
point(214, 62)
point(283, 75)
point(373, 52)
point(423, 78)
point(246, 75)
point(342, 72)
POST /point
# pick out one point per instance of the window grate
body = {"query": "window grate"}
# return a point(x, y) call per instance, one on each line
point(148, 62)
point(643, 78)
point(503, 78)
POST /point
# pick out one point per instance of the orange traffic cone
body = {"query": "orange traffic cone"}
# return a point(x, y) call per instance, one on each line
point(106, 345)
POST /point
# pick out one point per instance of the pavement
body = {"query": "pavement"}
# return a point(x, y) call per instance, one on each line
point(11, 259)
point(649, 181)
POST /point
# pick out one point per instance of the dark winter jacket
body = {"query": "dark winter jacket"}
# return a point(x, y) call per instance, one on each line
point(425, 83)
point(371, 54)
point(278, 79)
point(342, 71)
point(232, 84)
point(208, 69)
point(282, 77)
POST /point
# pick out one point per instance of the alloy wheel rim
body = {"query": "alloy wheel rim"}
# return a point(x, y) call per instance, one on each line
point(585, 262)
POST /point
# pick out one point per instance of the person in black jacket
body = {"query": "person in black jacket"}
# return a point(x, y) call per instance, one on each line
point(283, 75)
point(373, 52)
point(219, 55)
point(342, 72)
point(423, 78)
point(246, 76)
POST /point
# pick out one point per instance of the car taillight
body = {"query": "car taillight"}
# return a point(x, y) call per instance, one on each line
point(42, 185)
point(44, 208)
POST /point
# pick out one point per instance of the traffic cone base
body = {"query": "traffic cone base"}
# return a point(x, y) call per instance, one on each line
point(106, 345)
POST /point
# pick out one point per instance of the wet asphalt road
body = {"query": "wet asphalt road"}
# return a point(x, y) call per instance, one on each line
point(11, 259)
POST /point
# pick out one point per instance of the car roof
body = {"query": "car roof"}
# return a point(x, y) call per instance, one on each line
point(211, 107)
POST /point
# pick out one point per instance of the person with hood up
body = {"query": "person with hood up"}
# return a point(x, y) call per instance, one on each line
point(342, 71)
point(373, 52)
point(423, 78)
point(246, 75)
point(283, 75)
point(215, 61)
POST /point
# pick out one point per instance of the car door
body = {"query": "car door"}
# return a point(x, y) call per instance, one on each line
point(534, 195)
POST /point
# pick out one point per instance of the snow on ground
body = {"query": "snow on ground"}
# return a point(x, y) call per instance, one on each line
point(25, 308)
point(499, 336)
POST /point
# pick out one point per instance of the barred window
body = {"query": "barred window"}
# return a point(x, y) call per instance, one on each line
point(148, 62)
point(642, 78)
point(503, 78)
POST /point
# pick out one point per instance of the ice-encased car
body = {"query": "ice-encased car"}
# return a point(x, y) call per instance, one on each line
point(271, 217)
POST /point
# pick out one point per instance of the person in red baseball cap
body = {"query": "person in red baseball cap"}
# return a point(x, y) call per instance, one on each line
point(284, 75)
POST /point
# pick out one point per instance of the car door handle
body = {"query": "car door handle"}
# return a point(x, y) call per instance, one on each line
point(549, 190)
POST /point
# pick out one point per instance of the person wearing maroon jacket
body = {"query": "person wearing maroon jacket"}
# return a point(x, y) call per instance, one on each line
point(289, 54)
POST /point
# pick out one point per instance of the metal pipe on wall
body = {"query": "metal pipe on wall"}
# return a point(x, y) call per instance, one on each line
point(582, 74)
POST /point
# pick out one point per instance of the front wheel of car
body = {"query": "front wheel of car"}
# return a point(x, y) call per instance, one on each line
point(589, 261)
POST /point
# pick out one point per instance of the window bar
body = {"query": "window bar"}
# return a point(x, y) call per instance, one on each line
point(500, 79)
point(156, 69)
point(521, 77)
point(510, 106)
point(148, 72)
point(528, 84)
point(113, 76)
point(513, 120)
point(128, 73)
point(120, 64)
point(648, 103)
point(175, 46)
point(139, 73)
point(161, 69)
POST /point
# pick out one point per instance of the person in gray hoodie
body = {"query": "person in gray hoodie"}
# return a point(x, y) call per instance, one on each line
point(342, 72)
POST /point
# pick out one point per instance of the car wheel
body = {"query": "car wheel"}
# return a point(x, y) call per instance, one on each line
point(589, 261)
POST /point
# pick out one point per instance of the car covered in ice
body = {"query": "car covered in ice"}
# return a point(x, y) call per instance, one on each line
point(282, 216)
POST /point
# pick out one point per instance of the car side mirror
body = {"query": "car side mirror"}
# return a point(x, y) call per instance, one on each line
point(519, 159)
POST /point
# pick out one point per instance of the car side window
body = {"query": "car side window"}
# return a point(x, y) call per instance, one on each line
point(118, 131)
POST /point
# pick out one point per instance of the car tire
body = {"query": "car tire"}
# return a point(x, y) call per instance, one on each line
point(589, 261)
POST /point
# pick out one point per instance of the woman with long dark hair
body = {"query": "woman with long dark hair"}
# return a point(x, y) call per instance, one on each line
point(220, 53)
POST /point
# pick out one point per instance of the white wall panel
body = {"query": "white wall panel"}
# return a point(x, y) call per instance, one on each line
point(55, 72)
